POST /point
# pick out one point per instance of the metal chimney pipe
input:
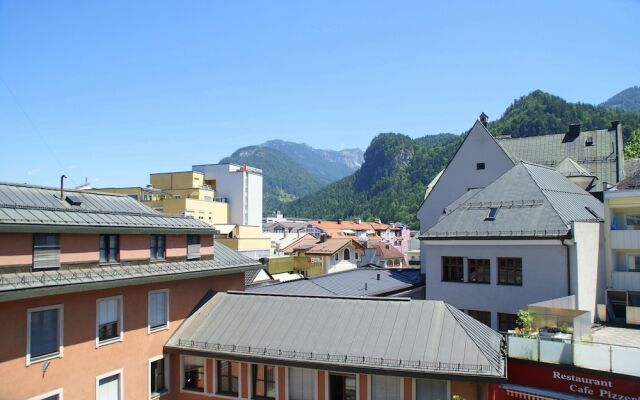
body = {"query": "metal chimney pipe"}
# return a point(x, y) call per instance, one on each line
point(62, 178)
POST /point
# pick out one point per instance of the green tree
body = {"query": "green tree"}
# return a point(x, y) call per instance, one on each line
point(632, 145)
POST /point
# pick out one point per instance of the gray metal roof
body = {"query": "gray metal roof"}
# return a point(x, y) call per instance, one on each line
point(34, 208)
point(378, 335)
point(349, 283)
point(531, 201)
point(549, 150)
point(224, 260)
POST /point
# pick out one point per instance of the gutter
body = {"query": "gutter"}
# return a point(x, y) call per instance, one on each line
point(28, 293)
point(566, 246)
point(53, 228)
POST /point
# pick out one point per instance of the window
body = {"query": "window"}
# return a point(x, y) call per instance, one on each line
point(46, 250)
point(506, 321)
point(264, 381)
point(632, 221)
point(302, 384)
point(227, 374)
point(452, 269)
point(157, 247)
point(193, 373)
point(52, 395)
point(482, 316)
point(109, 320)
point(431, 389)
point(108, 248)
point(193, 247)
point(109, 387)
point(346, 255)
point(491, 215)
point(510, 271)
point(342, 387)
point(337, 256)
point(158, 310)
point(158, 379)
point(479, 270)
point(634, 263)
point(355, 254)
point(385, 387)
point(480, 165)
point(44, 332)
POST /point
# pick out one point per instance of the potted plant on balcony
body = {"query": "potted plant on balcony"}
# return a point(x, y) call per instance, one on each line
point(523, 343)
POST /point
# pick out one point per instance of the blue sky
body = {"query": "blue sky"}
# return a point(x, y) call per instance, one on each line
point(113, 90)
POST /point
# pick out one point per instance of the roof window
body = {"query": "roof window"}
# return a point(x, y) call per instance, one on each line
point(480, 165)
point(589, 141)
point(492, 214)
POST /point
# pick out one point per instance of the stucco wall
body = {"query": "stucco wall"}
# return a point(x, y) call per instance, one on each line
point(544, 276)
point(588, 271)
point(16, 249)
point(82, 362)
point(461, 173)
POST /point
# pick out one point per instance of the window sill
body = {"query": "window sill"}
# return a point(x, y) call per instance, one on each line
point(157, 395)
point(108, 341)
point(509, 284)
point(109, 264)
point(46, 357)
point(481, 283)
point(227, 395)
point(151, 330)
point(157, 260)
point(444, 280)
point(195, 391)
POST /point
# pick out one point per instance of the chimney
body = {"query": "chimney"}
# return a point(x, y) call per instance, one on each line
point(614, 125)
point(62, 178)
point(365, 286)
point(323, 237)
point(378, 277)
point(339, 221)
point(378, 221)
point(484, 119)
point(357, 221)
point(574, 129)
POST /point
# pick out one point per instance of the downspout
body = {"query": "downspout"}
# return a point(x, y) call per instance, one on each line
point(566, 246)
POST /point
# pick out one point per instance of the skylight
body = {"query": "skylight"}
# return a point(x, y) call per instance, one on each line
point(492, 214)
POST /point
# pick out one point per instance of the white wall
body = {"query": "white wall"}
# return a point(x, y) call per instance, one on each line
point(461, 173)
point(544, 274)
point(331, 265)
point(230, 184)
point(588, 266)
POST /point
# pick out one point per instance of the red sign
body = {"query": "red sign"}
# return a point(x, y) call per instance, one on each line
point(577, 381)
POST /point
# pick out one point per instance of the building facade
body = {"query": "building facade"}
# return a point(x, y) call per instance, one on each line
point(91, 287)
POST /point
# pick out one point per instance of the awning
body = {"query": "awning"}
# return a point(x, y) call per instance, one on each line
point(529, 393)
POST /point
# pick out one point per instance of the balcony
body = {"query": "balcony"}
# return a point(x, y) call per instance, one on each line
point(626, 280)
point(585, 354)
point(625, 239)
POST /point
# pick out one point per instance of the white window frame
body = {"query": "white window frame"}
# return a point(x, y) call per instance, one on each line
point(151, 330)
point(631, 261)
point(58, 392)
point(59, 354)
point(327, 380)
point(120, 373)
point(120, 321)
point(206, 387)
point(167, 379)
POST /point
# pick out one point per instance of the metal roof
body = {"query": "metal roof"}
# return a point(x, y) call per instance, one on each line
point(349, 283)
point(34, 208)
point(549, 150)
point(531, 201)
point(379, 335)
point(224, 260)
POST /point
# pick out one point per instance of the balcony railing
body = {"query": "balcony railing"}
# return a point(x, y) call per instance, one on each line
point(626, 280)
point(590, 355)
point(625, 239)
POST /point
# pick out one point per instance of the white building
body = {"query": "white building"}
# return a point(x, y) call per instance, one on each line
point(241, 186)
point(531, 235)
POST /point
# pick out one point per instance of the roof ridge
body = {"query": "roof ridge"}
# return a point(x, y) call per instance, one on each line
point(57, 189)
point(316, 296)
point(479, 327)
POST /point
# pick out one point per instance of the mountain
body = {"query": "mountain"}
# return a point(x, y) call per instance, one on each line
point(326, 165)
point(390, 184)
point(539, 113)
point(627, 100)
point(392, 180)
point(283, 179)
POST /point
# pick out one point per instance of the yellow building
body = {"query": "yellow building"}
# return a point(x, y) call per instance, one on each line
point(182, 194)
point(245, 239)
point(189, 194)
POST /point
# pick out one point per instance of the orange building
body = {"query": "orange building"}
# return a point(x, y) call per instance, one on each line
point(291, 347)
point(92, 286)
